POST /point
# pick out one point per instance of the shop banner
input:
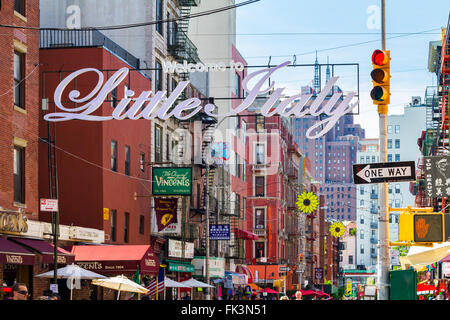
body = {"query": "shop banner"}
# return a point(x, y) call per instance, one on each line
point(166, 212)
point(219, 232)
point(176, 249)
point(437, 176)
point(172, 181)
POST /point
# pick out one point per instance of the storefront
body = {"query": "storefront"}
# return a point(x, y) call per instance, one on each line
point(26, 250)
point(216, 270)
point(179, 266)
point(113, 260)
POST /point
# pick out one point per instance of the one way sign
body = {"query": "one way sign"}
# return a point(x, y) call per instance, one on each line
point(384, 172)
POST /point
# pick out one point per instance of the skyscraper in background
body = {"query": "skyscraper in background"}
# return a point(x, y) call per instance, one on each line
point(331, 156)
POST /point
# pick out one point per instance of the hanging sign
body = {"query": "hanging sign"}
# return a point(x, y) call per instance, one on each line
point(172, 181)
point(219, 232)
point(166, 212)
point(149, 106)
point(437, 176)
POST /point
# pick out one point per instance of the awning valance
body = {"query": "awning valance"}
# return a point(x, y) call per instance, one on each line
point(244, 234)
point(46, 250)
point(12, 253)
point(117, 259)
point(246, 271)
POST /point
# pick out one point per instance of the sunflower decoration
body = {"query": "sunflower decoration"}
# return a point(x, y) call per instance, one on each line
point(307, 202)
point(337, 229)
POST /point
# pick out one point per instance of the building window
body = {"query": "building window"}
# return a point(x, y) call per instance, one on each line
point(259, 186)
point(260, 153)
point(260, 219)
point(19, 6)
point(127, 160)
point(238, 85)
point(361, 235)
point(361, 249)
point(389, 144)
point(397, 128)
point(142, 162)
point(350, 259)
point(167, 148)
point(141, 224)
point(397, 188)
point(397, 143)
point(19, 174)
point(389, 129)
point(259, 123)
point(397, 157)
point(259, 250)
point(244, 171)
point(159, 16)
point(238, 166)
point(158, 76)
point(238, 206)
point(114, 98)
point(158, 144)
point(362, 220)
point(397, 203)
point(389, 158)
point(19, 85)
point(114, 155)
point(113, 224)
point(126, 227)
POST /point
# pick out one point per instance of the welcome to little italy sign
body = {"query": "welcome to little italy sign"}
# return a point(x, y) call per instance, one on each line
point(149, 106)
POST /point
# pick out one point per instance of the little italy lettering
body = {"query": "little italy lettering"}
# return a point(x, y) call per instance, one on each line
point(149, 106)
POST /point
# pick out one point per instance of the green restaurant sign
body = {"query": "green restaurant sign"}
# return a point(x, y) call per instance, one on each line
point(172, 181)
point(181, 267)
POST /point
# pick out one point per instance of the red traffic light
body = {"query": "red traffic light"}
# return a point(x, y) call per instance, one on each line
point(379, 57)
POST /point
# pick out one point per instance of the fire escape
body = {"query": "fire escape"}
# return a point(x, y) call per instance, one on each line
point(445, 76)
point(178, 43)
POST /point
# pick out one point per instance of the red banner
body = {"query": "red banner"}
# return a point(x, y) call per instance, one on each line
point(166, 212)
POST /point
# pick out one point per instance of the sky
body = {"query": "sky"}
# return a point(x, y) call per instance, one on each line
point(276, 30)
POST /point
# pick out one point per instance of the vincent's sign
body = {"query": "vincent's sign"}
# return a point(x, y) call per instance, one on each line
point(149, 106)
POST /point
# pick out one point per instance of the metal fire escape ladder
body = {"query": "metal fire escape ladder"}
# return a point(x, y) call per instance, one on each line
point(445, 71)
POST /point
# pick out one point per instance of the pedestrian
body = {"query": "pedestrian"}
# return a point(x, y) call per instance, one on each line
point(284, 298)
point(54, 296)
point(298, 295)
point(20, 291)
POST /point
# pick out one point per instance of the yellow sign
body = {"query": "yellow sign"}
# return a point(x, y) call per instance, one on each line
point(105, 214)
point(349, 289)
point(369, 281)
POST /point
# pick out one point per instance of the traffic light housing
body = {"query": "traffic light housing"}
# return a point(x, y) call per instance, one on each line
point(381, 77)
point(422, 227)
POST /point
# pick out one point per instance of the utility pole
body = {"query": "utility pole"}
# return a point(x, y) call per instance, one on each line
point(208, 297)
point(383, 257)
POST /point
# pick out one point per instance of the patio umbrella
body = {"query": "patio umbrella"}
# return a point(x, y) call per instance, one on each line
point(72, 272)
point(120, 283)
point(268, 290)
point(173, 284)
point(196, 284)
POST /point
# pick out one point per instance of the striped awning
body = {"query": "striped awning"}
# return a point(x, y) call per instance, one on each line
point(246, 271)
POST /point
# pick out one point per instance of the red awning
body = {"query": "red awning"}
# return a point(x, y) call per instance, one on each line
point(12, 253)
point(117, 259)
point(46, 250)
point(246, 271)
point(268, 290)
point(246, 234)
point(446, 259)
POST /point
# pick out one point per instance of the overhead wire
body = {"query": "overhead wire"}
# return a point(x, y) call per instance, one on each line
point(143, 24)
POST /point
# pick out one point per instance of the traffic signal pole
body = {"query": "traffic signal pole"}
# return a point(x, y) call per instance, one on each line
point(383, 231)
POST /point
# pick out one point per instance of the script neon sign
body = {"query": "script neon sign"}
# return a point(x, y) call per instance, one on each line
point(148, 106)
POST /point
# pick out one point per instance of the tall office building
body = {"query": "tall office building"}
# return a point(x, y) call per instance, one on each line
point(332, 157)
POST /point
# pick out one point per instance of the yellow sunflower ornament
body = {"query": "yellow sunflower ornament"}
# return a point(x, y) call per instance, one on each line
point(307, 202)
point(337, 229)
